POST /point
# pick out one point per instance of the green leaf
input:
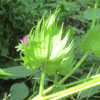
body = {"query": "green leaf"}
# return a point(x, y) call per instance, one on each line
point(88, 13)
point(69, 5)
point(18, 72)
point(91, 41)
point(38, 78)
point(2, 72)
point(53, 5)
point(19, 91)
point(2, 12)
point(4, 52)
point(89, 92)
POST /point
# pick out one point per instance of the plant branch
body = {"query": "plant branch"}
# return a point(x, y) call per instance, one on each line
point(94, 16)
point(78, 82)
point(73, 90)
point(61, 81)
point(76, 66)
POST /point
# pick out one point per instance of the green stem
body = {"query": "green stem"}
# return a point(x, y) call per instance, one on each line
point(73, 90)
point(53, 86)
point(78, 82)
point(49, 89)
point(42, 81)
point(55, 78)
point(94, 16)
point(34, 86)
point(60, 82)
point(77, 65)
point(66, 86)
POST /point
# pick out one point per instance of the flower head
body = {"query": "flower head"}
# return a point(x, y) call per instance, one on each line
point(24, 40)
point(48, 47)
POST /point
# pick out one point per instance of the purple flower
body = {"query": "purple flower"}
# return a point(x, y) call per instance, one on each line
point(24, 40)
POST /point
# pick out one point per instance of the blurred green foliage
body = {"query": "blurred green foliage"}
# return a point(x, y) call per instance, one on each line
point(17, 17)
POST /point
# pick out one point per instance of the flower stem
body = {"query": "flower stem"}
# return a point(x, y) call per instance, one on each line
point(55, 78)
point(76, 66)
point(61, 81)
point(49, 89)
point(73, 90)
point(78, 82)
point(94, 16)
point(68, 85)
point(42, 81)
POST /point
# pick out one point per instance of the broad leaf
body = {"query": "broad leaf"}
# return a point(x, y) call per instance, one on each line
point(19, 91)
point(18, 72)
point(89, 92)
point(88, 13)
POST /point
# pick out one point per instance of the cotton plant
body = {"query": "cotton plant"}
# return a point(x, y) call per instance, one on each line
point(46, 48)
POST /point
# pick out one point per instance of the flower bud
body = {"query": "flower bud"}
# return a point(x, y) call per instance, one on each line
point(48, 47)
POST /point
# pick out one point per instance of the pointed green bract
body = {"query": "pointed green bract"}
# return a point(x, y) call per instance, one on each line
point(48, 47)
point(91, 41)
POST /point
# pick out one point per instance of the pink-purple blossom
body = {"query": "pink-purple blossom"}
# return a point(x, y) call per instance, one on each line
point(24, 40)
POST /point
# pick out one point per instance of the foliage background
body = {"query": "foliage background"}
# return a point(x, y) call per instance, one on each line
point(17, 17)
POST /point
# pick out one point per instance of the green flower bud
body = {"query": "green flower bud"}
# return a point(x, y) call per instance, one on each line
point(48, 47)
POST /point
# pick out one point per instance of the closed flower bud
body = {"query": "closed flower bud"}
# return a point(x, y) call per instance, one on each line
point(48, 47)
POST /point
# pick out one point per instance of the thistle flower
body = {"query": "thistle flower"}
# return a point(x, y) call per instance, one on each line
point(22, 41)
point(48, 47)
